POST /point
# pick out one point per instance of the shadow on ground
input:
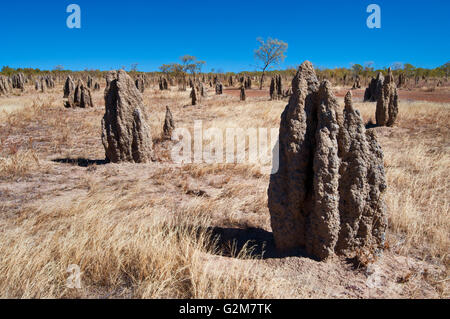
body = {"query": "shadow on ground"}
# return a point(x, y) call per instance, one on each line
point(370, 125)
point(258, 243)
point(82, 162)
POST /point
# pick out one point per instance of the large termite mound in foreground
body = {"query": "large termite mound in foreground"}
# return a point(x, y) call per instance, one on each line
point(125, 132)
point(327, 194)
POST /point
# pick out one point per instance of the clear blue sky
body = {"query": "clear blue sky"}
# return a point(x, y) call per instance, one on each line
point(223, 33)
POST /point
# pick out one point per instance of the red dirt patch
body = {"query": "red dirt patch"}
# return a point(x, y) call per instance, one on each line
point(249, 93)
point(440, 96)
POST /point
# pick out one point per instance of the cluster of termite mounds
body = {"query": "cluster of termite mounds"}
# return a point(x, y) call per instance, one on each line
point(246, 82)
point(45, 82)
point(357, 83)
point(276, 88)
point(77, 96)
point(18, 81)
point(383, 91)
point(15, 81)
point(276, 91)
point(198, 91)
point(374, 90)
point(327, 195)
point(242, 80)
point(42, 83)
point(91, 85)
point(163, 84)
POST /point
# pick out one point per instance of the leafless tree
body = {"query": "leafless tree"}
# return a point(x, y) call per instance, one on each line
point(270, 52)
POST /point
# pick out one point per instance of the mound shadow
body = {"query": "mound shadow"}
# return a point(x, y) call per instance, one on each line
point(370, 125)
point(82, 162)
point(248, 243)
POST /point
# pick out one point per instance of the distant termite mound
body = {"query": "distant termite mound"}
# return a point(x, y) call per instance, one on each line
point(169, 125)
point(373, 92)
point(243, 95)
point(5, 87)
point(387, 104)
point(79, 97)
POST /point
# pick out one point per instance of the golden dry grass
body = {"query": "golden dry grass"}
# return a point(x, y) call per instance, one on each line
point(18, 164)
point(417, 161)
point(125, 248)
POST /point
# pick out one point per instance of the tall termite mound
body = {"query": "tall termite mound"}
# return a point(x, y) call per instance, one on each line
point(5, 87)
point(169, 125)
point(387, 104)
point(326, 197)
point(140, 84)
point(163, 84)
point(374, 89)
point(243, 96)
point(357, 83)
point(219, 88)
point(276, 88)
point(194, 96)
point(125, 132)
point(18, 81)
point(69, 87)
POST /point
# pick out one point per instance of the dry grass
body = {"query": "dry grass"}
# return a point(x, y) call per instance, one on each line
point(417, 161)
point(125, 249)
point(418, 199)
point(18, 165)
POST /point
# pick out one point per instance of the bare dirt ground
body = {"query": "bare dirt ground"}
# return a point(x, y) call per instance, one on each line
point(438, 95)
point(144, 231)
point(252, 93)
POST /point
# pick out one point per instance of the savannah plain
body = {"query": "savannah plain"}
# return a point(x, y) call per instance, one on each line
point(160, 230)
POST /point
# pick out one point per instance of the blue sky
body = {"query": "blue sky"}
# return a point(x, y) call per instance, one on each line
point(223, 33)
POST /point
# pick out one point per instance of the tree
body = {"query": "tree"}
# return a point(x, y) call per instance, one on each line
point(165, 68)
point(270, 53)
point(175, 69)
point(6, 70)
point(134, 67)
point(191, 64)
point(445, 68)
point(409, 69)
point(397, 66)
point(357, 69)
